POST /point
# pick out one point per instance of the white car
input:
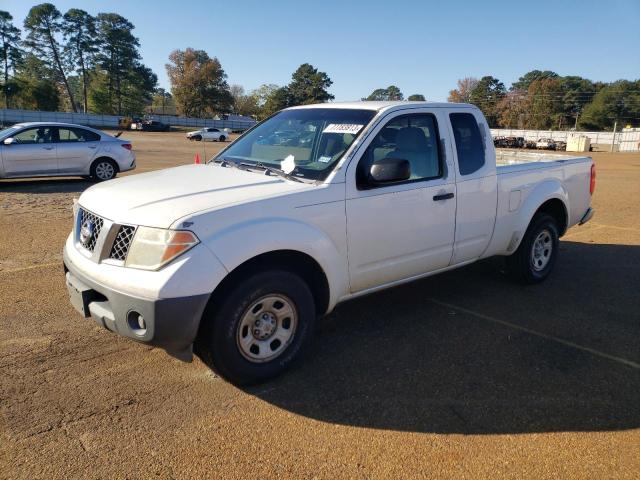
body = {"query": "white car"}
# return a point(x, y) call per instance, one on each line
point(209, 134)
point(42, 149)
point(242, 254)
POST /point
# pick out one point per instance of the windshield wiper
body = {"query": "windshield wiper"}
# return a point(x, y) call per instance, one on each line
point(224, 162)
point(278, 172)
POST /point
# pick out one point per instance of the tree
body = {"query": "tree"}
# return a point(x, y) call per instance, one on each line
point(618, 101)
point(162, 101)
point(278, 99)
point(118, 58)
point(34, 87)
point(529, 77)
point(43, 24)
point(513, 109)
point(462, 94)
point(545, 103)
point(385, 94)
point(417, 97)
point(485, 95)
point(9, 52)
point(308, 85)
point(244, 104)
point(576, 93)
point(198, 83)
point(79, 29)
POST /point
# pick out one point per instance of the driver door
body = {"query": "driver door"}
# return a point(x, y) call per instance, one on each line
point(33, 152)
point(405, 229)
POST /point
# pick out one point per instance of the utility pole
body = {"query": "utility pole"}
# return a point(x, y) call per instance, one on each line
point(613, 140)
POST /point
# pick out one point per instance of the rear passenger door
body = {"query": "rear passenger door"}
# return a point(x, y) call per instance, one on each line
point(405, 229)
point(476, 184)
point(76, 149)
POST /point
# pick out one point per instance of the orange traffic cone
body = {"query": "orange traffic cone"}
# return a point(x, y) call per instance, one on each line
point(196, 159)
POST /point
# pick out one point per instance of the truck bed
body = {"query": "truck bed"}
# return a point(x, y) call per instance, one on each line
point(513, 161)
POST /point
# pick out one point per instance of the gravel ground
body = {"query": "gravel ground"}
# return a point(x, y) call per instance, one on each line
point(461, 375)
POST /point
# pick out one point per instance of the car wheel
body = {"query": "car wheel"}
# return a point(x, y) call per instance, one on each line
point(257, 328)
point(222, 138)
point(533, 261)
point(104, 169)
point(197, 138)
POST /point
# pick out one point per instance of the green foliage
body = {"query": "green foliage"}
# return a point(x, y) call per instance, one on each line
point(416, 97)
point(43, 25)
point(486, 94)
point(385, 94)
point(10, 54)
point(80, 33)
point(308, 85)
point(198, 83)
point(618, 101)
point(529, 77)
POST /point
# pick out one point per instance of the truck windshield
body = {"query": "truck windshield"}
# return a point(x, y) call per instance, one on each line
point(306, 142)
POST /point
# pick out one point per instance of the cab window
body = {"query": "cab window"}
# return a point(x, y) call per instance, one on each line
point(71, 135)
point(411, 137)
point(469, 144)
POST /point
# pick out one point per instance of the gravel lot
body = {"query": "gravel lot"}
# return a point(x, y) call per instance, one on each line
point(462, 375)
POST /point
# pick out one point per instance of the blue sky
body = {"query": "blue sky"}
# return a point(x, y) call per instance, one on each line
point(420, 46)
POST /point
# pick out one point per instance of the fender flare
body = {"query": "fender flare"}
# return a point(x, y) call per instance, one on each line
point(549, 189)
point(241, 242)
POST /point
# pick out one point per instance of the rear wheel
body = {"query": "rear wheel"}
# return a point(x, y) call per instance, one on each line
point(104, 169)
point(222, 138)
point(533, 261)
point(258, 327)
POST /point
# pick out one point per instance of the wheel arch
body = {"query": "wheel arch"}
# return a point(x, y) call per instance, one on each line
point(104, 157)
point(293, 261)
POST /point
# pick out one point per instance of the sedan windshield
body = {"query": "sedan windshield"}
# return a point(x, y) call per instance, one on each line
point(306, 142)
point(8, 131)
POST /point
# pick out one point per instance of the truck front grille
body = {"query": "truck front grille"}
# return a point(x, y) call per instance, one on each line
point(122, 242)
point(90, 226)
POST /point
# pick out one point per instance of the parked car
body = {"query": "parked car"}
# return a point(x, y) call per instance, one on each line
point(153, 126)
point(208, 133)
point(546, 144)
point(530, 144)
point(242, 254)
point(561, 146)
point(62, 149)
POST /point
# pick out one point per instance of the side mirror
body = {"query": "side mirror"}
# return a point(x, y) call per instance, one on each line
point(9, 141)
point(389, 170)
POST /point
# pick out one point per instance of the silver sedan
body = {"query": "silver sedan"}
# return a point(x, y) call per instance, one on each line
point(42, 149)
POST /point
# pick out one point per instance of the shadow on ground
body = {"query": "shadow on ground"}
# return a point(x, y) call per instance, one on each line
point(61, 185)
point(397, 360)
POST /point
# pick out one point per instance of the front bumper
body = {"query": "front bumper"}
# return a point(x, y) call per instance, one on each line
point(169, 323)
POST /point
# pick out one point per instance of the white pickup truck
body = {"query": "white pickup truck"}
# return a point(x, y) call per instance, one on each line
point(241, 255)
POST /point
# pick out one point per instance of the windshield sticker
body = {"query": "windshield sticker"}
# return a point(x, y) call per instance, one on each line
point(324, 159)
point(342, 128)
point(288, 164)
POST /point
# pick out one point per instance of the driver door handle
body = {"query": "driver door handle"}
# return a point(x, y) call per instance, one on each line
point(443, 196)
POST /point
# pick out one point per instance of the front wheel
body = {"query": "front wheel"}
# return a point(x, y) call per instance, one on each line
point(533, 261)
point(258, 328)
point(222, 138)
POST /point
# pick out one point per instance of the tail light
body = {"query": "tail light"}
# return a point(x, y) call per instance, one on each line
point(592, 183)
point(126, 145)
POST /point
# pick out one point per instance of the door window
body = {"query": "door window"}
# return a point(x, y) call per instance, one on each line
point(469, 144)
point(67, 135)
point(409, 137)
point(37, 135)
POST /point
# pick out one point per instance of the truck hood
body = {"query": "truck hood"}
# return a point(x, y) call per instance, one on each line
point(159, 198)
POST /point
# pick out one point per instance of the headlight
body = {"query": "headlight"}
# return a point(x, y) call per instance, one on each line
point(152, 248)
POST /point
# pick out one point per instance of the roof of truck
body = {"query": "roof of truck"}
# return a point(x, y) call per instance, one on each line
point(367, 105)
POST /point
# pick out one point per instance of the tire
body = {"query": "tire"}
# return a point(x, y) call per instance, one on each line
point(103, 169)
point(255, 313)
point(197, 138)
point(534, 259)
point(222, 138)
